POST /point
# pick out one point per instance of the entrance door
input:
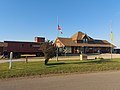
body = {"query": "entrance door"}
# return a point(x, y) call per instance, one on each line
point(74, 50)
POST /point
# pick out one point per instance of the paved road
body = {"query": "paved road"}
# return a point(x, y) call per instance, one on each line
point(93, 81)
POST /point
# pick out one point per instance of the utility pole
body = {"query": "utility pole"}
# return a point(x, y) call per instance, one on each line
point(111, 38)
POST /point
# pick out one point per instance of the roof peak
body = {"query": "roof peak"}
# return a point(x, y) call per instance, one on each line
point(78, 36)
point(80, 32)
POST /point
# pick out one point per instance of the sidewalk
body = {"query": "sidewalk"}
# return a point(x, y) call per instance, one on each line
point(32, 59)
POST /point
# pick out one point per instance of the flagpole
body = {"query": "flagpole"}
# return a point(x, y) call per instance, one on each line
point(57, 41)
point(57, 27)
point(111, 37)
point(111, 52)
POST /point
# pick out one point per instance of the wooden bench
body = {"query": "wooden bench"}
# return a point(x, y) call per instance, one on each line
point(28, 55)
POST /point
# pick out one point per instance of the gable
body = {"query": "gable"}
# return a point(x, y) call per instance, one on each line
point(80, 36)
point(58, 43)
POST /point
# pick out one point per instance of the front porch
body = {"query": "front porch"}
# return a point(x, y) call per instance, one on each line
point(85, 50)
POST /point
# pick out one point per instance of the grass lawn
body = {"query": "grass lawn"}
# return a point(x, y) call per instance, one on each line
point(21, 69)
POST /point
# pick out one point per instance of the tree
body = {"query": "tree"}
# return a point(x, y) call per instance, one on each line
point(49, 50)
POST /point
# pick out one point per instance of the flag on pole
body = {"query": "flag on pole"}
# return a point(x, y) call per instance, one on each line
point(59, 28)
point(111, 36)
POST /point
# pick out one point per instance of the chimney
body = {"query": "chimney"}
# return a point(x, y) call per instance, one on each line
point(39, 39)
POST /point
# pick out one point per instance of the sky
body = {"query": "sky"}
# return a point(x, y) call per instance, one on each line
point(22, 20)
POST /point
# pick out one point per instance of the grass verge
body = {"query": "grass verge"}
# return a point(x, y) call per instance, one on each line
point(21, 69)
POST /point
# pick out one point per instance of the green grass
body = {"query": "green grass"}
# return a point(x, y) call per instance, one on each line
point(21, 69)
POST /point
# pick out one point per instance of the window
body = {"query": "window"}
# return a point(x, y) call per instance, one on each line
point(85, 40)
point(22, 45)
point(30, 45)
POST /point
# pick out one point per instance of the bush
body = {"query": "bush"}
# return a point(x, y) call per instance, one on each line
point(49, 50)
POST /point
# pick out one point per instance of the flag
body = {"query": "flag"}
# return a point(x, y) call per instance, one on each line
point(111, 36)
point(59, 28)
